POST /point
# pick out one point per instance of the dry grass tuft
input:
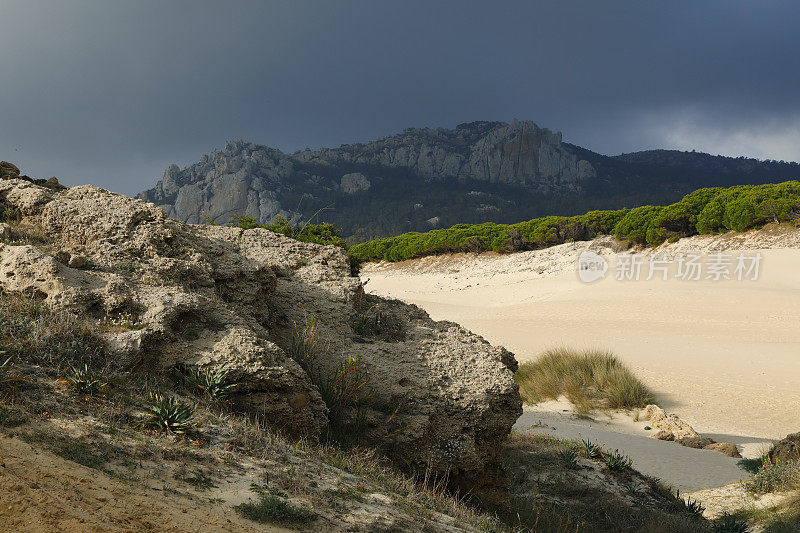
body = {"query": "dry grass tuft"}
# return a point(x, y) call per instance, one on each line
point(32, 332)
point(589, 379)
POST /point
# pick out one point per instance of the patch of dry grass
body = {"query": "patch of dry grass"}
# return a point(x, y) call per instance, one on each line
point(31, 332)
point(589, 379)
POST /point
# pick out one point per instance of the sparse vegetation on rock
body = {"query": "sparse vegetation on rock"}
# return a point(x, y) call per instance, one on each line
point(208, 297)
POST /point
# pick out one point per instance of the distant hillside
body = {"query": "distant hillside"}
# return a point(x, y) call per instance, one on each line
point(704, 211)
point(423, 179)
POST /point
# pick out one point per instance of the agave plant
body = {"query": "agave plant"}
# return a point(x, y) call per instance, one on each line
point(169, 414)
point(213, 383)
point(592, 449)
point(569, 456)
point(694, 507)
point(616, 460)
point(730, 524)
point(83, 380)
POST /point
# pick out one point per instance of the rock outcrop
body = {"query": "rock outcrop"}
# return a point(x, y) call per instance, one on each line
point(355, 182)
point(670, 427)
point(441, 398)
point(725, 448)
point(519, 153)
point(786, 449)
point(8, 170)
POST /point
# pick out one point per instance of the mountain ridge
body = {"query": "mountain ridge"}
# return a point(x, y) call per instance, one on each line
point(424, 178)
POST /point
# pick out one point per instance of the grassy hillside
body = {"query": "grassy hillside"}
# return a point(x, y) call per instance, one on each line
point(705, 211)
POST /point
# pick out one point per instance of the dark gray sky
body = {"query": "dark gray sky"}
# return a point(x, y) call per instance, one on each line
point(111, 92)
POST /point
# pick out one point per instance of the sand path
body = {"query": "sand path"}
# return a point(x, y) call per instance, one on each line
point(722, 355)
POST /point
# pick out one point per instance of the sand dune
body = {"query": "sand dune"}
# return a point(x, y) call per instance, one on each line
point(723, 355)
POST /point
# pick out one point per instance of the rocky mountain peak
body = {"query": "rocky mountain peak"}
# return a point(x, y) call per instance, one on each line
point(256, 180)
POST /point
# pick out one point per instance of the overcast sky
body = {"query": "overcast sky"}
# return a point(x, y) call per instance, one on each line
point(110, 92)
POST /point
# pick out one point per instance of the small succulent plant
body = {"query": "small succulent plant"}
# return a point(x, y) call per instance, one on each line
point(211, 382)
point(170, 415)
point(83, 380)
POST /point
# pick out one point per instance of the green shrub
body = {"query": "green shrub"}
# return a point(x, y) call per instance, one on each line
point(775, 476)
point(344, 392)
point(639, 226)
point(709, 210)
point(271, 508)
point(323, 233)
point(749, 206)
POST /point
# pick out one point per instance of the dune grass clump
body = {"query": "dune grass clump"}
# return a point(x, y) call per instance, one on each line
point(5, 368)
point(34, 333)
point(589, 379)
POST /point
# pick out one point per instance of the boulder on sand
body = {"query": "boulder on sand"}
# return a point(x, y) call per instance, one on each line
point(725, 448)
point(672, 428)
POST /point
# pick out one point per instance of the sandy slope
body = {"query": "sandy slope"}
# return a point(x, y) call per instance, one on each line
point(41, 492)
point(723, 355)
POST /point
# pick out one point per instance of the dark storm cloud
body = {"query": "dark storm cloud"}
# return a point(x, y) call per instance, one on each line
point(111, 92)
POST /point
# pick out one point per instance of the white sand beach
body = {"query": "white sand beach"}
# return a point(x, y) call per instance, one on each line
point(723, 355)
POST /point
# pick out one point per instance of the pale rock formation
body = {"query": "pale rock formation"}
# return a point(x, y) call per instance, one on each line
point(355, 182)
point(212, 296)
point(672, 428)
point(725, 448)
point(668, 423)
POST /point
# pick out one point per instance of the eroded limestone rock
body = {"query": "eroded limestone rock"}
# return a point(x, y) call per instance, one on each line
point(440, 397)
